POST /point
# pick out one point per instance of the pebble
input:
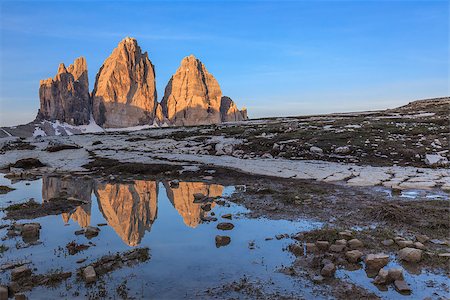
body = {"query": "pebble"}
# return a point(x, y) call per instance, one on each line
point(89, 274)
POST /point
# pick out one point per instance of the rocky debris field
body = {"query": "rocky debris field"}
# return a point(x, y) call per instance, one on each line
point(365, 197)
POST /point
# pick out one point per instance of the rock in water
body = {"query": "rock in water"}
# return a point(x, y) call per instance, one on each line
point(192, 96)
point(229, 111)
point(125, 93)
point(66, 96)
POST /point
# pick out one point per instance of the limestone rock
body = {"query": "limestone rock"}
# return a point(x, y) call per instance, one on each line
point(66, 96)
point(353, 255)
point(125, 92)
point(89, 274)
point(229, 111)
point(192, 96)
point(377, 261)
point(410, 254)
point(328, 270)
point(222, 240)
point(20, 272)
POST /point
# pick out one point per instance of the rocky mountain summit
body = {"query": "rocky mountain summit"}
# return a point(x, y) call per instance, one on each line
point(125, 94)
point(125, 90)
point(66, 96)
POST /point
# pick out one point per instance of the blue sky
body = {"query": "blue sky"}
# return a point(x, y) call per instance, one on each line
point(277, 58)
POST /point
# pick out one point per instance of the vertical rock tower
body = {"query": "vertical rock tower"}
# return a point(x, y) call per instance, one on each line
point(229, 111)
point(125, 92)
point(192, 96)
point(66, 96)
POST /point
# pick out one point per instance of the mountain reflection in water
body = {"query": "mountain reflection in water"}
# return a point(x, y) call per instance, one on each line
point(130, 208)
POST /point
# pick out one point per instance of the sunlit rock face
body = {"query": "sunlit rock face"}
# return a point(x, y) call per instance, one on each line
point(192, 96)
point(66, 96)
point(125, 92)
point(182, 199)
point(82, 215)
point(229, 111)
point(56, 187)
point(130, 209)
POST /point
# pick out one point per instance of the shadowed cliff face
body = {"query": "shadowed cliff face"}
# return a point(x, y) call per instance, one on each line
point(229, 111)
point(125, 93)
point(55, 187)
point(182, 199)
point(192, 96)
point(66, 96)
point(130, 209)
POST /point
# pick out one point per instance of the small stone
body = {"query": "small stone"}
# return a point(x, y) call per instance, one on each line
point(20, 272)
point(3, 293)
point(346, 234)
point(81, 260)
point(222, 240)
point(388, 242)
point(404, 244)
point(410, 254)
point(199, 196)
point(376, 261)
point(399, 238)
point(402, 287)
point(328, 270)
point(422, 238)
point(395, 274)
point(19, 296)
point(337, 248)
point(355, 244)
point(353, 256)
point(227, 216)
point(419, 245)
point(225, 226)
point(382, 277)
point(341, 242)
point(446, 255)
point(311, 247)
point(89, 274)
point(296, 249)
point(316, 150)
point(30, 232)
point(91, 232)
point(322, 245)
point(206, 207)
point(79, 232)
point(342, 150)
point(318, 279)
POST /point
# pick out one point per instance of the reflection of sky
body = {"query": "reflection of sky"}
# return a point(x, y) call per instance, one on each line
point(183, 260)
point(308, 56)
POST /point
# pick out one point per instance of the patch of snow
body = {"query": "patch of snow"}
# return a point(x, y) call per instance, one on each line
point(38, 132)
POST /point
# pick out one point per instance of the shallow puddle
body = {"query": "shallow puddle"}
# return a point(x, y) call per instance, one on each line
point(184, 258)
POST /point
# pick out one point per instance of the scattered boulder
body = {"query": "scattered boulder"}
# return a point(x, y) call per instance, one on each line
point(89, 274)
point(91, 232)
point(388, 242)
point(20, 296)
point(395, 274)
point(382, 277)
point(342, 150)
point(410, 254)
point(419, 245)
point(323, 245)
point(402, 287)
point(227, 216)
point(225, 226)
point(222, 240)
point(341, 242)
point(376, 261)
point(28, 163)
point(3, 293)
point(30, 232)
point(337, 248)
point(354, 256)
point(404, 244)
point(328, 270)
point(316, 150)
point(355, 244)
point(422, 238)
point(346, 234)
